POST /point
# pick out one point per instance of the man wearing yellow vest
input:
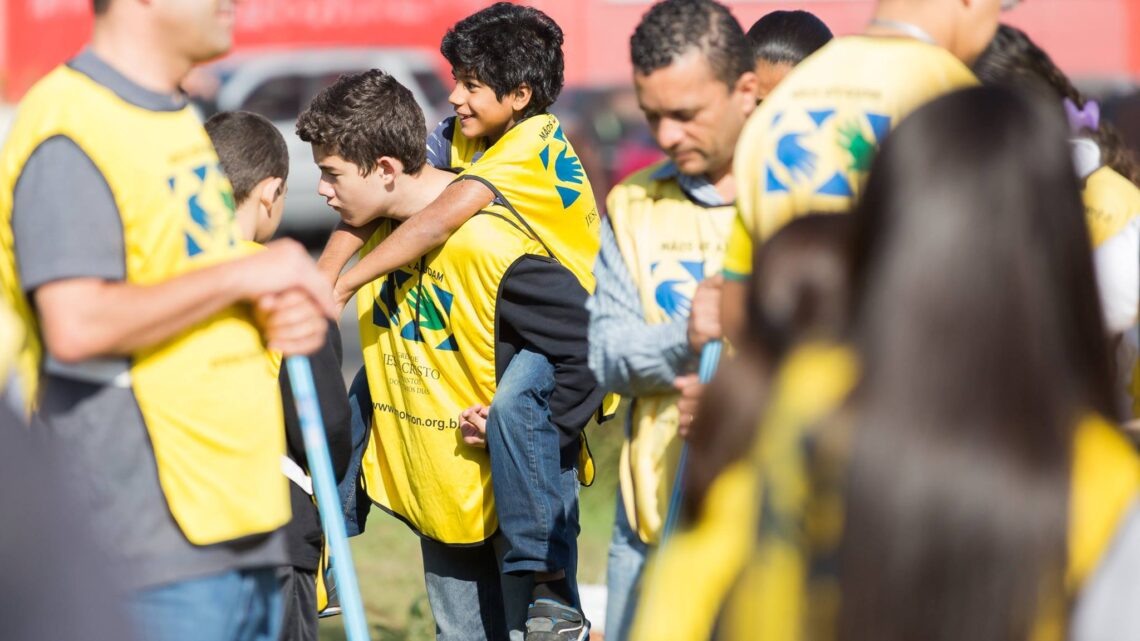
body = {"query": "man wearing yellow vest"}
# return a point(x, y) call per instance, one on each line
point(119, 245)
point(809, 146)
point(667, 229)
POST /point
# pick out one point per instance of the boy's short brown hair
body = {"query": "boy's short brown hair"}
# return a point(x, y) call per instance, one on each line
point(364, 116)
point(250, 148)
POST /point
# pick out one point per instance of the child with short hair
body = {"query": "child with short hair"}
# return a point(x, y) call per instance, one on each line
point(255, 157)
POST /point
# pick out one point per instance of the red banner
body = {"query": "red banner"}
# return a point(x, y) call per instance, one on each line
point(1086, 37)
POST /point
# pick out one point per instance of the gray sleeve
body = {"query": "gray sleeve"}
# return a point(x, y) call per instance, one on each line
point(65, 221)
point(1108, 606)
point(628, 355)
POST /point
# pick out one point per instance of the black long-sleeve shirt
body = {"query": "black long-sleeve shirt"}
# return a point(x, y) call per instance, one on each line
point(542, 307)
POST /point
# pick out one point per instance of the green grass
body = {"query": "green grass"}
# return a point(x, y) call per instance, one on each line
point(390, 570)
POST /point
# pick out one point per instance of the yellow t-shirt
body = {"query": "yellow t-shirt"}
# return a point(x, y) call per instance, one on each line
point(809, 146)
point(1110, 200)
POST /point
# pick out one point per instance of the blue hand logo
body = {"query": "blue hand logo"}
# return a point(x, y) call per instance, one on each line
point(671, 300)
point(798, 159)
point(568, 168)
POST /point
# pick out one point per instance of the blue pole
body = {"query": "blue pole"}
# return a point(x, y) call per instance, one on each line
point(324, 486)
point(710, 358)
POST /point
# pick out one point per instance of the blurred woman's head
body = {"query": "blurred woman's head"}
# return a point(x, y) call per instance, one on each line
point(781, 40)
point(980, 334)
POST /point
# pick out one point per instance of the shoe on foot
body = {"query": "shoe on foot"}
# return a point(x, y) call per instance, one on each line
point(549, 620)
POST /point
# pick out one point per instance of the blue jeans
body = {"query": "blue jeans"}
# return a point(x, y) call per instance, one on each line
point(353, 500)
point(535, 483)
point(623, 575)
point(471, 599)
point(240, 605)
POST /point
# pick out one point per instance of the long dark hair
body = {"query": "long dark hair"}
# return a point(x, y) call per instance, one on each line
point(980, 334)
point(1012, 58)
point(798, 292)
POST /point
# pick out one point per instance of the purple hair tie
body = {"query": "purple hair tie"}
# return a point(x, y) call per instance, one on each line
point(1081, 119)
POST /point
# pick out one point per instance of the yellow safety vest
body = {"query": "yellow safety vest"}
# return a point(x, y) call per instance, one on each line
point(669, 244)
point(208, 397)
point(535, 171)
point(428, 332)
point(510, 169)
point(808, 147)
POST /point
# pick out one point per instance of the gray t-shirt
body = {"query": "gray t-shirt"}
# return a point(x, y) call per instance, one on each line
point(66, 224)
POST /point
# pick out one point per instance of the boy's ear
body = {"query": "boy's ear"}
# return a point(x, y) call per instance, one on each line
point(389, 168)
point(268, 190)
point(520, 97)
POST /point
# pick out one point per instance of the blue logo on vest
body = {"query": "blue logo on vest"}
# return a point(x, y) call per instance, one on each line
point(209, 206)
point(426, 308)
point(567, 169)
point(673, 293)
point(800, 161)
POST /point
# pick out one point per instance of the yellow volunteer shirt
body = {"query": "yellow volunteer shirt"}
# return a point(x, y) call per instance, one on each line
point(208, 396)
point(809, 146)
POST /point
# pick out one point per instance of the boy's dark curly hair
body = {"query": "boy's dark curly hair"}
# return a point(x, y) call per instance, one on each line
point(672, 28)
point(364, 116)
point(506, 46)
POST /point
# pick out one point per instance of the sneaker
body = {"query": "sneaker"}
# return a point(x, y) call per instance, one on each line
point(548, 620)
point(332, 607)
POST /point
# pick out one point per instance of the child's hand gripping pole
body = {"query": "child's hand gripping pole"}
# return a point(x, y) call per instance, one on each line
point(710, 358)
point(324, 487)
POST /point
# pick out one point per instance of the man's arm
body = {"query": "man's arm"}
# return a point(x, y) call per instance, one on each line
point(71, 262)
point(627, 354)
point(84, 318)
point(417, 236)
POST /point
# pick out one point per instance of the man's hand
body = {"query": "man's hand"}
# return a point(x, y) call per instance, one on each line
point(291, 322)
point(84, 318)
point(690, 387)
point(473, 425)
point(704, 319)
point(282, 267)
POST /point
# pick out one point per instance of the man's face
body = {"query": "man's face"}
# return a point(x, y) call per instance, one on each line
point(694, 117)
point(357, 199)
point(199, 30)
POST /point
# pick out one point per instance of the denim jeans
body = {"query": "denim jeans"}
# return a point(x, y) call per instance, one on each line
point(353, 500)
point(535, 483)
point(470, 596)
point(240, 605)
point(623, 575)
